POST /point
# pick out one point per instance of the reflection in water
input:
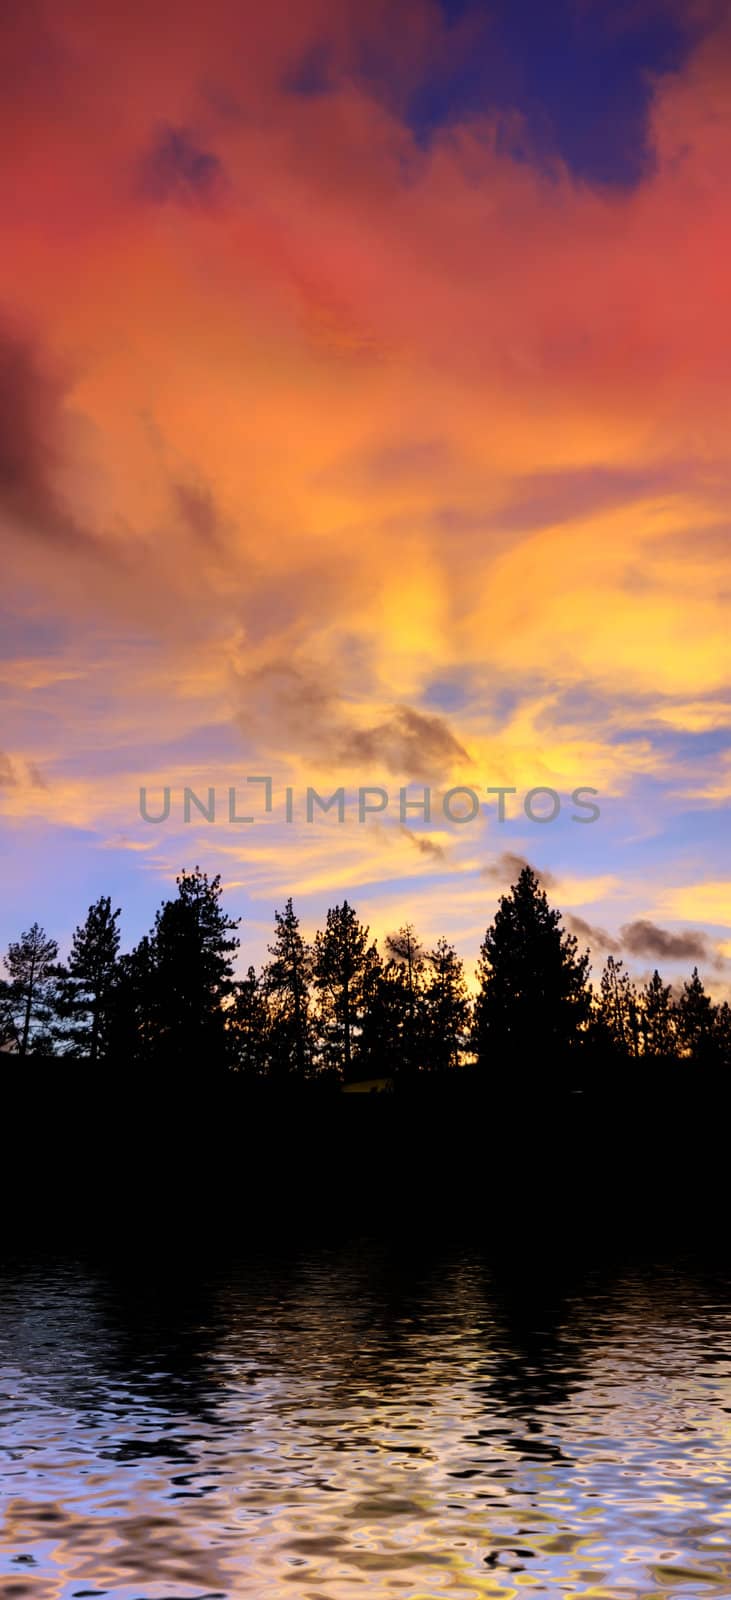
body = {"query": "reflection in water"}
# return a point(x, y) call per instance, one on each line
point(344, 1424)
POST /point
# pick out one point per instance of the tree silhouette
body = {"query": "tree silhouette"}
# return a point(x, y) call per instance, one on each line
point(248, 1026)
point(721, 1038)
point(133, 1006)
point(695, 1020)
point(379, 1043)
point(405, 971)
point(30, 964)
point(340, 969)
point(617, 1008)
point(342, 1005)
point(446, 1007)
point(286, 979)
point(8, 1030)
point(534, 997)
point(193, 944)
point(86, 995)
point(657, 1017)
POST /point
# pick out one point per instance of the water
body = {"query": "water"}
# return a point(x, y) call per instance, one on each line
point(350, 1423)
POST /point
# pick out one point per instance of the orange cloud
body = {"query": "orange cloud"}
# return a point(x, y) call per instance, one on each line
point(293, 394)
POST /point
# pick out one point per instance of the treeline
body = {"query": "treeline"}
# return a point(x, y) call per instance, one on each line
point(340, 1006)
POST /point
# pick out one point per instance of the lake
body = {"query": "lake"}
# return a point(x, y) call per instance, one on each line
point(357, 1421)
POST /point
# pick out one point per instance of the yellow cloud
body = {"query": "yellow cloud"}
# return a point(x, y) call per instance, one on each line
point(708, 901)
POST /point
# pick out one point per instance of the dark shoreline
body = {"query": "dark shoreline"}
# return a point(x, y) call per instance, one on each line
point(118, 1158)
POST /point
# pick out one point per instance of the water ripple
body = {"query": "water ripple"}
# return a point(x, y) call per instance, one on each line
point(345, 1423)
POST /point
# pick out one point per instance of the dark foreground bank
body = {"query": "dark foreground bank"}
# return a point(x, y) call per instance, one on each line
point(110, 1158)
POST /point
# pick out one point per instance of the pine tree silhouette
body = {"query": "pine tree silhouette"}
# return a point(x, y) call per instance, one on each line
point(340, 969)
point(617, 1010)
point(446, 1008)
point(657, 1018)
point(248, 1027)
point(182, 976)
point(405, 971)
point(89, 979)
point(695, 1020)
point(30, 965)
point(534, 998)
point(286, 979)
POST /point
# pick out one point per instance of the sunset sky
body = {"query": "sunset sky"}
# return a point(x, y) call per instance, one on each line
point(364, 420)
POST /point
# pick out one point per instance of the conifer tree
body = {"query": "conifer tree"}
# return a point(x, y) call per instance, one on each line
point(89, 978)
point(134, 1030)
point(617, 1010)
point(721, 1035)
point(534, 997)
point(340, 969)
point(446, 1006)
point(405, 970)
point(695, 1019)
point(379, 1043)
point(657, 1018)
point(192, 947)
point(248, 1026)
point(286, 979)
point(28, 1001)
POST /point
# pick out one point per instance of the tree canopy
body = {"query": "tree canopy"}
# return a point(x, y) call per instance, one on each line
point(338, 1006)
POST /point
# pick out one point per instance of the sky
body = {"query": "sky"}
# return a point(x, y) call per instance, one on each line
point(364, 423)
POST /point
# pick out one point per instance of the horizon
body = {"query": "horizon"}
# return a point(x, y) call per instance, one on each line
point(639, 947)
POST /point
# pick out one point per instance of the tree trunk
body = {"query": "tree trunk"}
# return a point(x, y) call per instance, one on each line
point(94, 1042)
point(346, 1029)
point(28, 1011)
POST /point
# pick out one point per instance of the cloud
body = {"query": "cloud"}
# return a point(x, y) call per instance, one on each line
point(178, 169)
point(541, 499)
point(297, 705)
point(374, 425)
point(10, 774)
point(407, 742)
point(643, 938)
point(33, 422)
point(423, 843)
point(387, 466)
point(34, 53)
point(597, 938)
point(288, 703)
point(707, 900)
point(197, 510)
point(312, 73)
point(36, 776)
point(506, 869)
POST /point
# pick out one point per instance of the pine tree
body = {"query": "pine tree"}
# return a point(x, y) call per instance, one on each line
point(446, 1007)
point(286, 980)
point(721, 1038)
point(657, 1018)
point(340, 969)
point(88, 986)
point(8, 1030)
point(695, 1020)
point(30, 965)
point(248, 1026)
point(405, 970)
point(134, 1007)
point(380, 1040)
point(534, 999)
point(193, 946)
point(617, 1011)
